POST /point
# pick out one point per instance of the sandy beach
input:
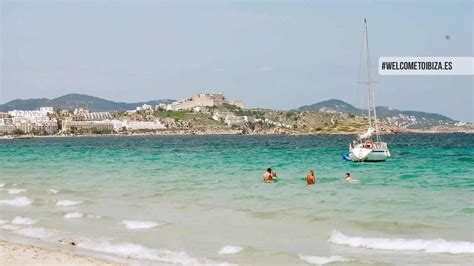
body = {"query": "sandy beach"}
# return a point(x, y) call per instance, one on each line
point(24, 254)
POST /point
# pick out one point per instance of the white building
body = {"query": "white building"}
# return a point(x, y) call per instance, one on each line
point(34, 115)
point(231, 119)
point(81, 114)
point(144, 107)
point(35, 120)
point(137, 125)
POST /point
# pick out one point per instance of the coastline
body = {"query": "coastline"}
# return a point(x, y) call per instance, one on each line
point(28, 254)
point(230, 133)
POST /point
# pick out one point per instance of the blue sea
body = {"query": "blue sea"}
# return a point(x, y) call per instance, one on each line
point(195, 200)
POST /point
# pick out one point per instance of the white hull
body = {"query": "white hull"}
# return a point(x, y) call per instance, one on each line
point(360, 153)
point(371, 156)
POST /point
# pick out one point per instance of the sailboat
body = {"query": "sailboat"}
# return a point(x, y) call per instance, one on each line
point(369, 147)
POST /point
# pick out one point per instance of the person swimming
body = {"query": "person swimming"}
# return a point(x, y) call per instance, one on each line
point(347, 176)
point(310, 178)
point(268, 176)
point(274, 176)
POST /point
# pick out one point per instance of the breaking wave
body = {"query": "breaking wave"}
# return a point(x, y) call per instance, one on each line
point(23, 220)
point(16, 190)
point(429, 246)
point(68, 203)
point(323, 260)
point(139, 224)
point(20, 201)
point(123, 249)
point(52, 191)
point(73, 215)
point(229, 250)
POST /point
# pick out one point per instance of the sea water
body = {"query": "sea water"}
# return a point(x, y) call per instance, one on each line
point(202, 200)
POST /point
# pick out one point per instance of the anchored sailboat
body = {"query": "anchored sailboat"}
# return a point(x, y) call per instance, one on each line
point(368, 147)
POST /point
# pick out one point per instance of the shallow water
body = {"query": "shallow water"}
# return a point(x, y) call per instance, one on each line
point(201, 199)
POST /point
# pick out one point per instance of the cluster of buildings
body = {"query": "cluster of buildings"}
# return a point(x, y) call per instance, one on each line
point(29, 121)
point(230, 118)
point(84, 120)
point(81, 119)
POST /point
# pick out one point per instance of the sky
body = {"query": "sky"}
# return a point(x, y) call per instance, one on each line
point(270, 54)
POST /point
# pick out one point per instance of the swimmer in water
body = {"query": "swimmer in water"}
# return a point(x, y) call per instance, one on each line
point(310, 178)
point(347, 176)
point(268, 177)
point(274, 176)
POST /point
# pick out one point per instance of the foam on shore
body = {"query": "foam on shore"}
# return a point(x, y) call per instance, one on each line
point(135, 251)
point(323, 260)
point(429, 246)
point(16, 190)
point(52, 191)
point(229, 250)
point(121, 249)
point(66, 203)
point(36, 232)
point(139, 224)
point(10, 227)
point(20, 201)
point(23, 220)
point(73, 215)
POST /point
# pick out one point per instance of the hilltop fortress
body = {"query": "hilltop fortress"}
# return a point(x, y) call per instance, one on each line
point(203, 100)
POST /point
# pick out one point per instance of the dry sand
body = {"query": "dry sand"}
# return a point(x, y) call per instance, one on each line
point(23, 254)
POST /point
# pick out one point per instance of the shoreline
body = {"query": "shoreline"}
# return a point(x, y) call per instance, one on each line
point(29, 254)
point(25, 137)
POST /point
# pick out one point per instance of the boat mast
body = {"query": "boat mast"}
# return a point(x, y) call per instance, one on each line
point(371, 101)
point(369, 105)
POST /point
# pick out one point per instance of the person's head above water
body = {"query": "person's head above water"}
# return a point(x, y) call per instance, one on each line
point(269, 170)
point(311, 172)
point(348, 174)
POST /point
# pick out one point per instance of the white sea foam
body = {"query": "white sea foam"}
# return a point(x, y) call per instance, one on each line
point(68, 202)
point(129, 250)
point(20, 201)
point(94, 216)
point(23, 220)
point(52, 191)
point(73, 215)
point(16, 190)
point(139, 224)
point(3, 222)
point(10, 227)
point(429, 246)
point(36, 232)
point(229, 250)
point(323, 260)
point(125, 250)
point(2, 184)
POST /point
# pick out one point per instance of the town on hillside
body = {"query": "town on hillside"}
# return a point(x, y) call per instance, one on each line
point(205, 113)
point(49, 120)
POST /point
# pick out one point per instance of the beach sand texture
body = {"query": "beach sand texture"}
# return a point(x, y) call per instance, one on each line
point(21, 254)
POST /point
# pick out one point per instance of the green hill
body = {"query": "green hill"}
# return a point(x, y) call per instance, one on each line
point(407, 119)
point(71, 101)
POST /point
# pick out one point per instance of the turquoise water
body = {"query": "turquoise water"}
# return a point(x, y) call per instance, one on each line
point(181, 199)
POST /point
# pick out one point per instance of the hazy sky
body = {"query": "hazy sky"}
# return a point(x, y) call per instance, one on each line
point(273, 54)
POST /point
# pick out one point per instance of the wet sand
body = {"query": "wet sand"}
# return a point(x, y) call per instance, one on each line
point(24, 254)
